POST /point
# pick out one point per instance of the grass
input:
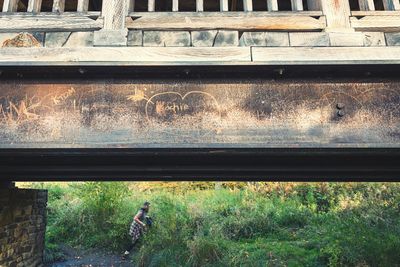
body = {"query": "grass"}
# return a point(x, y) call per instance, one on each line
point(257, 224)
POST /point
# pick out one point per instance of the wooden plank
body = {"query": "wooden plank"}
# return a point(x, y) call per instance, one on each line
point(130, 6)
point(113, 12)
point(325, 55)
point(34, 6)
point(248, 5)
point(391, 4)
point(229, 14)
point(163, 22)
point(199, 5)
point(272, 5)
point(297, 5)
point(223, 5)
point(83, 6)
point(375, 13)
point(58, 6)
point(175, 5)
point(90, 14)
point(314, 5)
point(10, 5)
point(124, 56)
point(48, 23)
point(337, 14)
point(151, 5)
point(366, 5)
point(376, 23)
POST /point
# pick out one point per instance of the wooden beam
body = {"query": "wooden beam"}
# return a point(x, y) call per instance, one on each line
point(314, 5)
point(11, 23)
point(113, 12)
point(375, 13)
point(34, 6)
point(391, 4)
point(163, 22)
point(248, 5)
point(223, 5)
point(325, 55)
point(272, 5)
point(376, 23)
point(240, 14)
point(337, 14)
point(199, 5)
point(175, 5)
point(130, 6)
point(297, 5)
point(58, 6)
point(10, 5)
point(125, 55)
point(83, 6)
point(151, 5)
point(366, 5)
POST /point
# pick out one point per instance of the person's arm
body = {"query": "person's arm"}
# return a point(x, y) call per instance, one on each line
point(136, 218)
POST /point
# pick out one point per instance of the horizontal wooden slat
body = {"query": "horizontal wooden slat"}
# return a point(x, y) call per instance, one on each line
point(375, 13)
point(124, 56)
point(48, 23)
point(325, 55)
point(224, 22)
point(93, 14)
point(376, 23)
point(228, 14)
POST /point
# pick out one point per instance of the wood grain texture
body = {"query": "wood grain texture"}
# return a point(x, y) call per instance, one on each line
point(48, 23)
point(375, 13)
point(224, 22)
point(34, 6)
point(10, 5)
point(125, 56)
point(376, 23)
point(337, 14)
point(227, 14)
point(113, 12)
point(326, 55)
point(58, 6)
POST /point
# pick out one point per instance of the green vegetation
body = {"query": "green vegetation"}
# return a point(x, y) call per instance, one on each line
point(240, 224)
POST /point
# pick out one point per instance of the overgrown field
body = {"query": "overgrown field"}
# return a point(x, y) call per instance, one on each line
point(232, 224)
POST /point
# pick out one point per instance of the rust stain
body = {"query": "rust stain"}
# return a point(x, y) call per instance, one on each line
point(22, 40)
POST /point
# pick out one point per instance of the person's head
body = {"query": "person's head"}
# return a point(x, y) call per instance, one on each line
point(146, 206)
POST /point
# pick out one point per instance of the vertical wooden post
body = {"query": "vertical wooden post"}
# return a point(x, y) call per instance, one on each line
point(114, 32)
point(151, 5)
point(199, 5)
point(272, 5)
point(175, 5)
point(366, 5)
point(130, 6)
point(297, 5)
point(391, 4)
point(83, 6)
point(314, 5)
point(337, 14)
point(58, 6)
point(10, 5)
point(248, 5)
point(223, 5)
point(34, 6)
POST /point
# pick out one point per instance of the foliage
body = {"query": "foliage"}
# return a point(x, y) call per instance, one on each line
point(240, 224)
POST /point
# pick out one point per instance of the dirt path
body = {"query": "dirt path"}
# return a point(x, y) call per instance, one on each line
point(76, 258)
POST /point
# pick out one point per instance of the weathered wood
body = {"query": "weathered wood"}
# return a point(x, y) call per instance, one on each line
point(233, 23)
point(83, 6)
point(48, 23)
point(366, 5)
point(227, 14)
point(376, 23)
point(58, 6)
point(175, 5)
point(151, 5)
point(375, 13)
point(248, 5)
point(391, 4)
point(337, 14)
point(297, 5)
point(272, 5)
point(130, 6)
point(326, 55)
point(34, 6)
point(199, 5)
point(10, 5)
point(113, 12)
point(125, 55)
point(314, 5)
point(224, 6)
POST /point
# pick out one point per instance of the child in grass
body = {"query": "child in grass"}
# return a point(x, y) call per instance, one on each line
point(138, 226)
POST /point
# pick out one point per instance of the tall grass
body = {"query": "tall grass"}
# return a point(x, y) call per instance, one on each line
point(258, 224)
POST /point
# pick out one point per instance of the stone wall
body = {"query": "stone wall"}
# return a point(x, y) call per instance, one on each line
point(22, 227)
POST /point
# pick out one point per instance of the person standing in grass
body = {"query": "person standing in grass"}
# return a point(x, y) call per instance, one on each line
point(138, 226)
